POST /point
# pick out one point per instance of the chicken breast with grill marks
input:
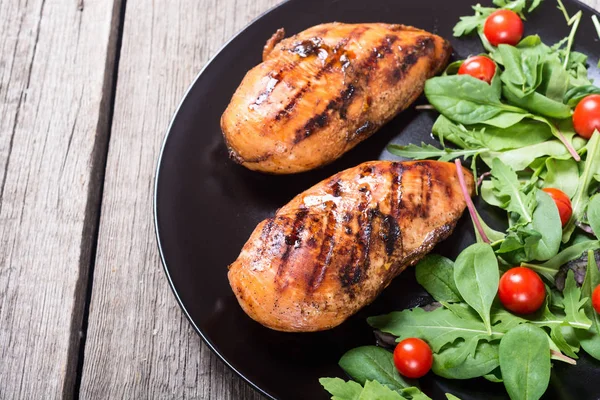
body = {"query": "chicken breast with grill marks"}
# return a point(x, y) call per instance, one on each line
point(319, 93)
point(332, 249)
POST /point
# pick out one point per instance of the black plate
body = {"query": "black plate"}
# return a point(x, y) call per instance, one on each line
point(206, 206)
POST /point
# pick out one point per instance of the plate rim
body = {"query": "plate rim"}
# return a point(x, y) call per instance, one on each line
point(157, 169)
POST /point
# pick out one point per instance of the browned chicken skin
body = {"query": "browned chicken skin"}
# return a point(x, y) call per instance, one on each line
point(332, 249)
point(319, 93)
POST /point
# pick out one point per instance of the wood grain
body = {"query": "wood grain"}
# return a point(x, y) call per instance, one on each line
point(56, 67)
point(138, 343)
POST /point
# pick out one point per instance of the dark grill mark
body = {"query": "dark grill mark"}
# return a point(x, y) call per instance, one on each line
point(391, 232)
point(264, 235)
point(320, 121)
point(397, 171)
point(307, 47)
point(412, 54)
point(325, 254)
point(291, 241)
point(355, 34)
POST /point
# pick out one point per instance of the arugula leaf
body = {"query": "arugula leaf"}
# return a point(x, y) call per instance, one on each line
point(559, 340)
point(581, 198)
point(549, 269)
point(465, 99)
point(372, 363)
point(426, 151)
point(453, 363)
point(375, 390)
point(593, 214)
point(524, 355)
point(341, 390)
point(436, 274)
point(476, 276)
point(468, 24)
point(590, 339)
point(574, 95)
point(438, 327)
point(507, 188)
point(575, 315)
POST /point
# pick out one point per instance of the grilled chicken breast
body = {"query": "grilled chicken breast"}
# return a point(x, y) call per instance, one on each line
point(319, 93)
point(332, 249)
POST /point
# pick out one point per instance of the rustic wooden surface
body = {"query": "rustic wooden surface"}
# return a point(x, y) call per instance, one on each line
point(57, 81)
point(56, 68)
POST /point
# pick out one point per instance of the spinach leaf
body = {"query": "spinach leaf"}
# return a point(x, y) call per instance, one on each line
point(372, 363)
point(590, 339)
point(546, 221)
point(524, 133)
point(341, 390)
point(508, 189)
point(549, 269)
point(476, 276)
point(522, 72)
point(452, 363)
point(562, 174)
point(573, 302)
point(593, 214)
point(438, 327)
point(555, 81)
point(494, 376)
point(576, 93)
point(465, 99)
point(537, 104)
point(524, 355)
point(581, 198)
point(436, 274)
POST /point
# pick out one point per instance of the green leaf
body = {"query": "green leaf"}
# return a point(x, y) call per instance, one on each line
point(494, 376)
point(575, 315)
point(576, 93)
point(450, 396)
point(436, 274)
point(555, 81)
point(453, 363)
point(508, 188)
point(537, 103)
point(559, 339)
point(414, 393)
point(426, 151)
point(341, 390)
point(375, 390)
point(549, 269)
point(525, 133)
point(520, 159)
point(546, 221)
point(438, 327)
point(525, 362)
point(465, 99)
point(593, 214)
point(372, 363)
point(520, 70)
point(590, 339)
point(562, 174)
point(468, 24)
point(581, 198)
point(476, 276)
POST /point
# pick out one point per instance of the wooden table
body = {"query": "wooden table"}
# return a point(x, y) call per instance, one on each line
point(87, 88)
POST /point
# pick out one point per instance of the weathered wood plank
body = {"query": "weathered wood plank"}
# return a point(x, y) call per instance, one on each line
point(138, 343)
point(56, 67)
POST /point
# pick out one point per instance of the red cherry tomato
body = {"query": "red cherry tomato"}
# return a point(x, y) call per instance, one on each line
point(521, 290)
point(479, 67)
point(563, 203)
point(586, 117)
point(596, 299)
point(503, 27)
point(413, 358)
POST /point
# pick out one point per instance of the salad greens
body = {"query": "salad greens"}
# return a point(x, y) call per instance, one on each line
point(520, 127)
